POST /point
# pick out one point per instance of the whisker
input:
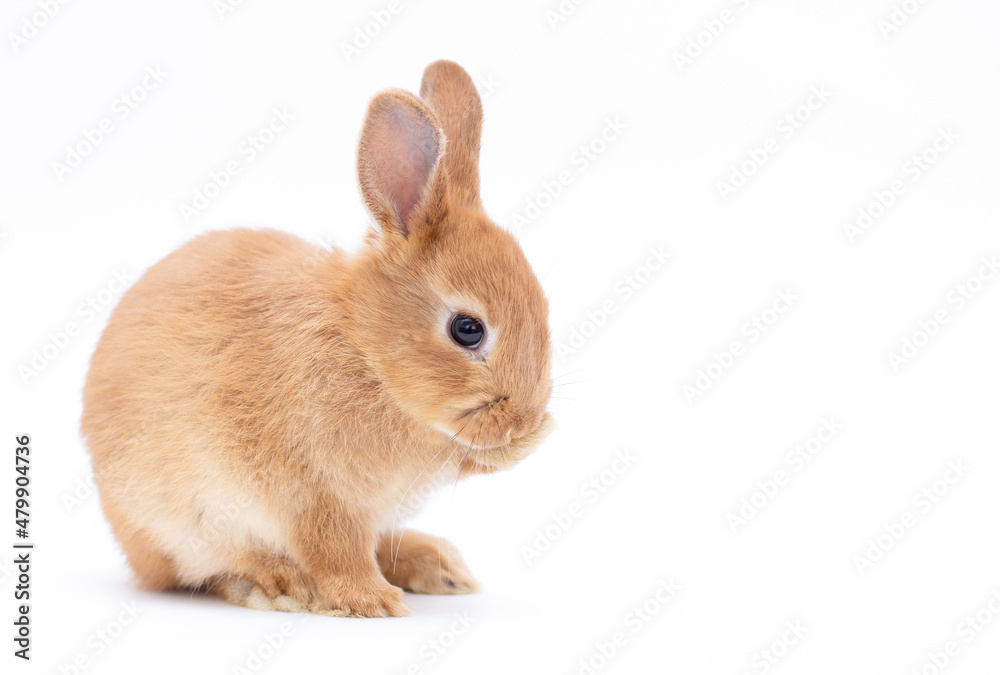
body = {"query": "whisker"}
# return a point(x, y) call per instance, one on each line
point(395, 515)
point(571, 372)
point(395, 555)
point(458, 474)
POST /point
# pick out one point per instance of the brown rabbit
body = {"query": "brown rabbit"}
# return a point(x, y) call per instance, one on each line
point(258, 409)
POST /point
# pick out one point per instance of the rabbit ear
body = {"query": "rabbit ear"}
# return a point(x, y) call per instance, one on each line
point(399, 158)
point(450, 93)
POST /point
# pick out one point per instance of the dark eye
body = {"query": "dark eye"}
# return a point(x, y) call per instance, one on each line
point(466, 331)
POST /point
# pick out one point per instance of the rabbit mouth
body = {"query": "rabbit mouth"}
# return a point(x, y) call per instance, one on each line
point(509, 453)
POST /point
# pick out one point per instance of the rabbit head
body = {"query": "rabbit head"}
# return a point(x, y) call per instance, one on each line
point(442, 301)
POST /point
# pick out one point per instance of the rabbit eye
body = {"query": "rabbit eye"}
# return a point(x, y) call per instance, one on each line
point(467, 331)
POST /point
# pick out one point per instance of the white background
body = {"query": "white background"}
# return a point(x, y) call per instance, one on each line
point(551, 87)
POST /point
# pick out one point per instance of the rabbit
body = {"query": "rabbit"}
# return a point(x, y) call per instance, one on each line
point(260, 411)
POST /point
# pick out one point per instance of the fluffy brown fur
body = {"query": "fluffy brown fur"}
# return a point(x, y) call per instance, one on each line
point(261, 412)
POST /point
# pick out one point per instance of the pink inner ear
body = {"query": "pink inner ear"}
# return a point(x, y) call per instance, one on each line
point(407, 155)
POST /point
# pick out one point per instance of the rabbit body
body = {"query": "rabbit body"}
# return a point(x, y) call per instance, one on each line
point(263, 413)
